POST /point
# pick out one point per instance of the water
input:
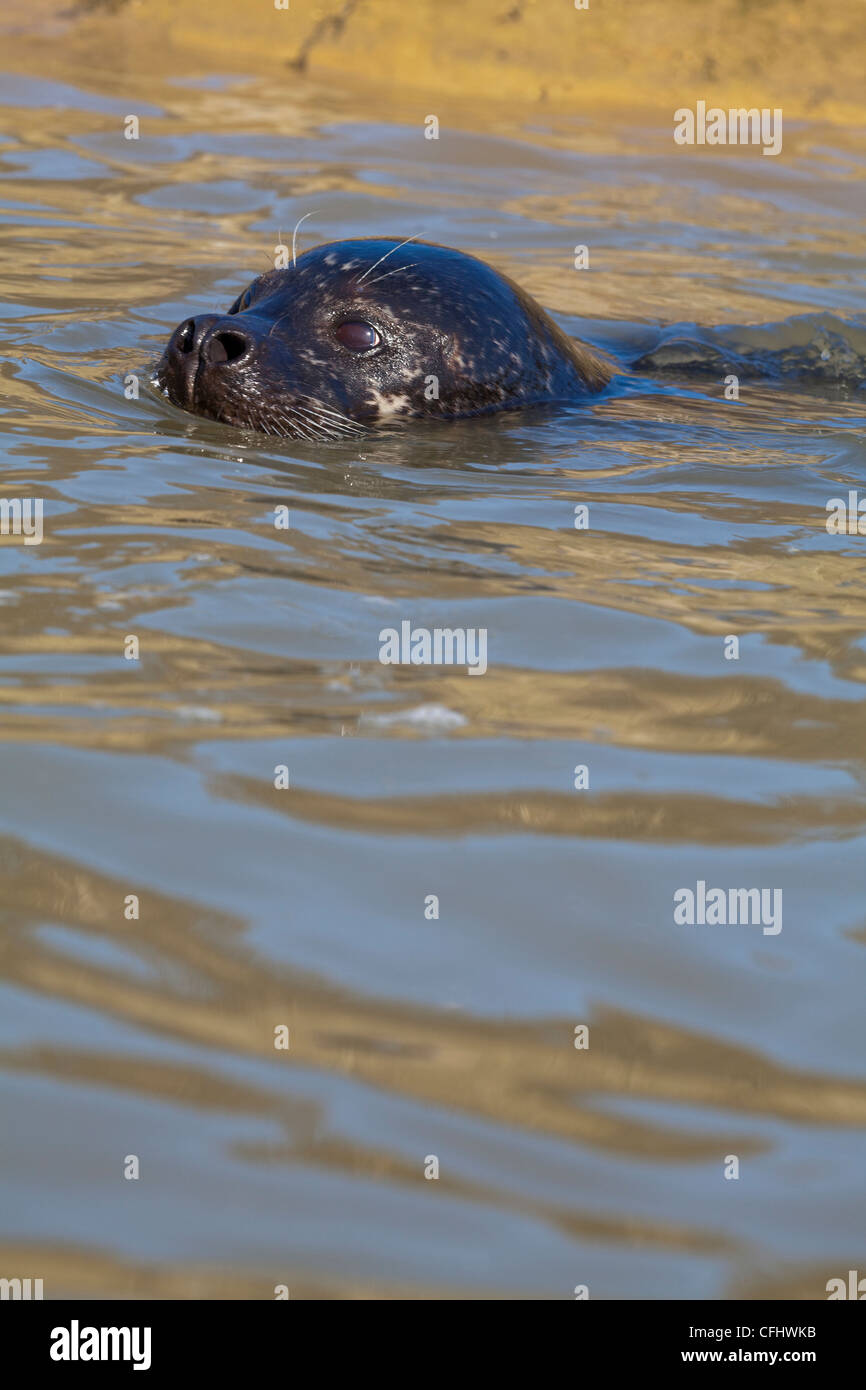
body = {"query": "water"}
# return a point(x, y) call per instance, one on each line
point(414, 1037)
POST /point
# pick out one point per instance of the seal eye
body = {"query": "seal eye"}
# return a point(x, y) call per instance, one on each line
point(357, 335)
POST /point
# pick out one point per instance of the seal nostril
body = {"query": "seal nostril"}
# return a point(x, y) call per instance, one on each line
point(225, 347)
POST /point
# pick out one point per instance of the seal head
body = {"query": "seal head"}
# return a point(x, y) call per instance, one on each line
point(359, 332)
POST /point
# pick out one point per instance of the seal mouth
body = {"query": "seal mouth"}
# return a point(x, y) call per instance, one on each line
point(178, 386)
point(303, 418)
point(176, 380)
point(190, 381)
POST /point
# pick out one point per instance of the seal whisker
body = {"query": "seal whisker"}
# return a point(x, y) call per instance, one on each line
point(303, 430)
point(391, 272)
point(335, 431)
point(413, 237)
point(329, 410)
point(341, 429)
point(295, 234)
point(306, 421)
point(328, 431)
point(278, 424)
point(326, 425)
point(323, 410)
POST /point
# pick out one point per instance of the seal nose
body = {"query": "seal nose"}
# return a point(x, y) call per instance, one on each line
point(207, 339)
point(197, 345)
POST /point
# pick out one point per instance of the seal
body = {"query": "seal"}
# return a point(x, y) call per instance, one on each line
point(355, 333)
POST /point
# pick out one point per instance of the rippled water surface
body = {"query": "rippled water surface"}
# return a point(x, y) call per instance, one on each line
point(305, 907)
